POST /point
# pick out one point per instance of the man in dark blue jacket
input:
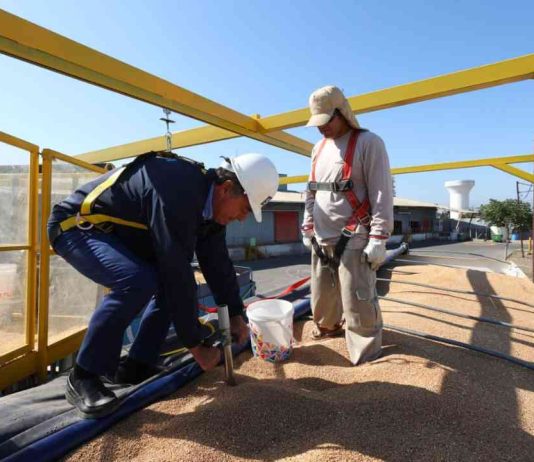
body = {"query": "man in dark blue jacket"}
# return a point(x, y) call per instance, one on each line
point(134, 230)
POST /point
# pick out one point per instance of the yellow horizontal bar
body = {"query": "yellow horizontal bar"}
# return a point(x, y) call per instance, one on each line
point(11, 247)
point(294, 179)
point(497, 162)
point(20, 351)
point(184, 139)
point(64, 347)
point(508, 71)
point(516, 172)
point(54, 155)
point(465, 164)
point(18, 369)
point(17, 142)
point(27, 41)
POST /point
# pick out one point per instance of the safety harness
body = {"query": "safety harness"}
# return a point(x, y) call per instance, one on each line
point(360, 210)
point(85, 219)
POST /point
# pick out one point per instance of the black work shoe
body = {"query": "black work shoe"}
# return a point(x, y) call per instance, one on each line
point(90, 396)
point(131, 371)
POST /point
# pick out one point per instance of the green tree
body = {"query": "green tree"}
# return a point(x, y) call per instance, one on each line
point(509, 214)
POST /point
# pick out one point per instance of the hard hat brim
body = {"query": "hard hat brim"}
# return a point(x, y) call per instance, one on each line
point(256, 210)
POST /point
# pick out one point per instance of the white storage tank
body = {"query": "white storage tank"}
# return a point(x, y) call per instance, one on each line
point(459, 195)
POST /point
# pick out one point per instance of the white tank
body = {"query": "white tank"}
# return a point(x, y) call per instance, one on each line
point(459, 195)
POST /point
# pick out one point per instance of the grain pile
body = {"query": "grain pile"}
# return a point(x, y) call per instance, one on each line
point(421, 401)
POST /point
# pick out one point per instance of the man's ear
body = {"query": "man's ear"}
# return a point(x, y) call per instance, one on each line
point(227, 186)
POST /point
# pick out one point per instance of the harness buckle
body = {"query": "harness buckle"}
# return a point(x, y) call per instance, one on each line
point(347, 232)
point(343, 185)
point(312, 185)
point(83, 225)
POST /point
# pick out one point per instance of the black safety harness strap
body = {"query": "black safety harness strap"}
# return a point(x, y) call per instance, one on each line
point(85, 219)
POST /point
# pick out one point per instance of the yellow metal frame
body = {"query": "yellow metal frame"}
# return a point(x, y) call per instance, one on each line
point(35, 356)
point(27, 41)
point(512, 70)
point(13, 357)
point(24, 40)
point(50, 353)
point(500, 163)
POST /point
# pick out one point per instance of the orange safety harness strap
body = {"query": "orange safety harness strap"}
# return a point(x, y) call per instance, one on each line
point(360, 210)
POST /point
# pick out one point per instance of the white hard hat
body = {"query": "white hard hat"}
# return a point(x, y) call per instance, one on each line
point(258, 177)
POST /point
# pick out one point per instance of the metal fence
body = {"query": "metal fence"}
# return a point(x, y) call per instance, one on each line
point(44, 303)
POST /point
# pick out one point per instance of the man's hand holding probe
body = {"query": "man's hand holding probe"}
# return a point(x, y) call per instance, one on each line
point(208, 357)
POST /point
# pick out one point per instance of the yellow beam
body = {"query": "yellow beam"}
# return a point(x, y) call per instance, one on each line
point(516, 172)
point(184, 139)
point(17, 142)
point(508, 71)
point(294, 179)
point(499, 73)
point(27, 41)
point(489, 162)
point(55, 155)
point(11, 247)
point(500, 163)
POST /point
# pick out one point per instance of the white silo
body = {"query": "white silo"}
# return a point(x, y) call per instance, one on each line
point(459, 195)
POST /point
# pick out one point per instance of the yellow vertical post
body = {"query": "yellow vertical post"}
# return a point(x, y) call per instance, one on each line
point(31, 266)
point(44, 267)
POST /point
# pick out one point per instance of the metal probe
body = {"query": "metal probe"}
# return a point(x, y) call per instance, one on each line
point(224, 326)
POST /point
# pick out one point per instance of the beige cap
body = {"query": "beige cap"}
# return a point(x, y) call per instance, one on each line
point(324, 101)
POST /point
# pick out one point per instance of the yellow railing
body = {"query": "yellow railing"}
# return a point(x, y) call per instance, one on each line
point(20, 358)
point(39, 349)
point(51, 351)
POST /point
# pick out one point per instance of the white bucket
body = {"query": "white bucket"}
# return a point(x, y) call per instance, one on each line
point(271, 329)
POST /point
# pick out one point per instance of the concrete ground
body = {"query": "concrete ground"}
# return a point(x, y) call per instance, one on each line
point(523, 262)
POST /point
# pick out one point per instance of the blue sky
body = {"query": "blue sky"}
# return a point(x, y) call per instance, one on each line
point(267, 56)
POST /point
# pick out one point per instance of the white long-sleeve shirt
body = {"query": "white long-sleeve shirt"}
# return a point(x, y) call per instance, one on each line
point(330, 211)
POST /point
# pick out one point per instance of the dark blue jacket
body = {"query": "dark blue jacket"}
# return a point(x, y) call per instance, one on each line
point(168, 195)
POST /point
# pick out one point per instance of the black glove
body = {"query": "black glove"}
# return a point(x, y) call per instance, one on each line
point(210, 334)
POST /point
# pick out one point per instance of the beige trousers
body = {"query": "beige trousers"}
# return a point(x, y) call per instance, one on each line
point(350, 293)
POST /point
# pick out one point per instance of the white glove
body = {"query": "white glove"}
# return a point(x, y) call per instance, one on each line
point(375, 252)
point(307, 234)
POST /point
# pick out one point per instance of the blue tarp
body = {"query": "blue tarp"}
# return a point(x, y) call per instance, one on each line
point(56, 433)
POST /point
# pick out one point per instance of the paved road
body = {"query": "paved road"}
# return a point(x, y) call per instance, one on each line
point(489, 249)
point(482, 255)
point(275, 274)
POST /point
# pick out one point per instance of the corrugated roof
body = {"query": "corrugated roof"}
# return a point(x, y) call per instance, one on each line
point(289, 197)
point(400, 202)
point(299, 197)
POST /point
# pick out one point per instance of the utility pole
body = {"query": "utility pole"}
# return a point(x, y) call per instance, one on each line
point(521, 231)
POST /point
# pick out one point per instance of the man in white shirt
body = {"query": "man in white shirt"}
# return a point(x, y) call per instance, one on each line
point(347, 221)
